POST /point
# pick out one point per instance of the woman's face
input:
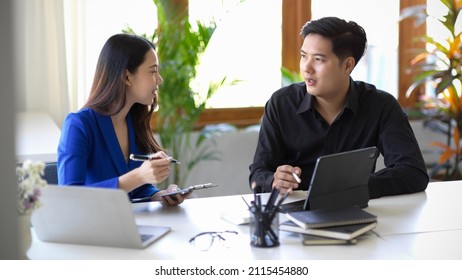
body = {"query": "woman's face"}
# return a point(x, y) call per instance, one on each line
point(142, 85)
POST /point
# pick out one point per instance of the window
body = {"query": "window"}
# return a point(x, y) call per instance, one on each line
point(246, 45)
point(435, 30)
point(104, 18)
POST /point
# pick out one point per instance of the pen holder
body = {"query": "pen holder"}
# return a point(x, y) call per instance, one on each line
point(264, 228)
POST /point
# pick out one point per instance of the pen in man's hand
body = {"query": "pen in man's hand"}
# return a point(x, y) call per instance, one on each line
point(296, 177)
point(150, 157)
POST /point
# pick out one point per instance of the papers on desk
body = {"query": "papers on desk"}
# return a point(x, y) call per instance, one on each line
point(237, 217)
point(242, 216)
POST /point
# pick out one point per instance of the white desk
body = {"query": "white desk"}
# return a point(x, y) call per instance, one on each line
point(437, 209)
point(417, 226)
point(37, 137)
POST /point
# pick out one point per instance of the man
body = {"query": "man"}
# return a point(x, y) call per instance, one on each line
point(330, 113)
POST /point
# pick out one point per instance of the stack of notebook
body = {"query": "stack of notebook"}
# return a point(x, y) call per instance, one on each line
point(330, 226)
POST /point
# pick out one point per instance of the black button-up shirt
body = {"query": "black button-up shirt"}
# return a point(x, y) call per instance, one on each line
point(294, 133)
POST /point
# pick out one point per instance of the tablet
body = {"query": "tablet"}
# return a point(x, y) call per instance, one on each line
point(192, 188)
point(338, 180)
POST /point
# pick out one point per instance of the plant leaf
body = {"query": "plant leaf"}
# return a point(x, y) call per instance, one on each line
point(445, 156)
point(456, 137)
point(440, 145)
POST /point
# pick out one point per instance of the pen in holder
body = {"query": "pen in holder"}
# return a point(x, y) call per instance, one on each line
point(264, 221)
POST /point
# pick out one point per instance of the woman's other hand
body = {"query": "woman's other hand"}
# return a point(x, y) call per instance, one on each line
point(171, 200)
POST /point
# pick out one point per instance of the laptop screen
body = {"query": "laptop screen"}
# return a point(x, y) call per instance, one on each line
point(341, 179)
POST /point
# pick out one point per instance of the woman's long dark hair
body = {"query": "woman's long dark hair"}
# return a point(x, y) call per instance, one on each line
point(122, 52)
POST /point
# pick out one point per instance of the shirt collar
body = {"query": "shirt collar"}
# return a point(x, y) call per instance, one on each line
point(351, 100)
point(307, 103)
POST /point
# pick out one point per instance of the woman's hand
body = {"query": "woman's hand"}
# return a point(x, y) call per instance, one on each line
point(156, 170)
point(171, 200)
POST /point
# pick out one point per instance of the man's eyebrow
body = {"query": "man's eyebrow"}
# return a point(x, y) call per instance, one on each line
point(315, 54)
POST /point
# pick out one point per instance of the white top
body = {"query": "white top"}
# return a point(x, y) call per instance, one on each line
point(417, 226)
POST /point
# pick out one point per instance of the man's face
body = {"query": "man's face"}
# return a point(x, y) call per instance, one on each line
point(324, 74)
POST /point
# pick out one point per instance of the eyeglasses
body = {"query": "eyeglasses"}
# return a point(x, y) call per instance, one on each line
point(204, 240)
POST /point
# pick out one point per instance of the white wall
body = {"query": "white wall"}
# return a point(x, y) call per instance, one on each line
point(231, 173)
point(8, 190)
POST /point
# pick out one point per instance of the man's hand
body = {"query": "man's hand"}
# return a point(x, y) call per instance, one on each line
point(284, 180)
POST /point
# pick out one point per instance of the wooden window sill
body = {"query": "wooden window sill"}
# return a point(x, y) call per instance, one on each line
point(239, 117)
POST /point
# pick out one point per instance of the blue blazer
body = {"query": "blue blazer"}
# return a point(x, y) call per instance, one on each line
point(89, 153)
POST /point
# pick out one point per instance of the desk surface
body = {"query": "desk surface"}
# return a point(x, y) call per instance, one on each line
point(417, 226)
point(37, 137)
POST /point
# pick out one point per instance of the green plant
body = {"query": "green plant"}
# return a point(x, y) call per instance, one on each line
point(290, 77)
point(179, 46)
point(440, 65)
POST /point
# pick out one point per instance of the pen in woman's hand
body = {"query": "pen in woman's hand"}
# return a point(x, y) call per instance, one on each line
point(150, 157)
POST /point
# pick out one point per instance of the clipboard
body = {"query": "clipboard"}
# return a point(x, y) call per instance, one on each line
point(182, 191)
point(192, 188)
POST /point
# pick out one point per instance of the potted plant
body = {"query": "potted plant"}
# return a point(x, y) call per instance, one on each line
point(30, 184)
point(440, 66)
point(179, 46)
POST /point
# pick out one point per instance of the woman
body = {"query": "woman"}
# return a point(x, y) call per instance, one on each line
point(97, 140)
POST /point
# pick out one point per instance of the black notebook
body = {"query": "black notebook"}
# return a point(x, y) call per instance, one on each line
point(344, 232)
point(321, 218)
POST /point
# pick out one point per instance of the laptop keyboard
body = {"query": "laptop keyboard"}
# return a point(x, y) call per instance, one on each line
point(145, 237)
point(292, 206)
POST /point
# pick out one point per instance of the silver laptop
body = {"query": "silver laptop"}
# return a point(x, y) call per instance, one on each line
point(91, 216)
point(339, 180)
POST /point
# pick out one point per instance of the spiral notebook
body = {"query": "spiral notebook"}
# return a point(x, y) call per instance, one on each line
point(345, 232)
point(331, 217)
point(309, 239)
